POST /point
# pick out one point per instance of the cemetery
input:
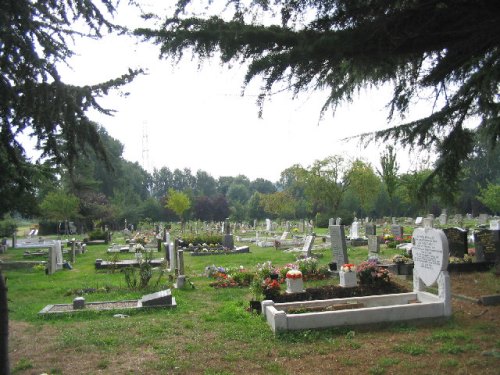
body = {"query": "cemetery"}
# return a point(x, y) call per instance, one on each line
point(328, 288)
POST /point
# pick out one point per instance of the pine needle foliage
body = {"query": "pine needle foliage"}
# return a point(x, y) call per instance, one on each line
point(446, 51)
point(34, 41)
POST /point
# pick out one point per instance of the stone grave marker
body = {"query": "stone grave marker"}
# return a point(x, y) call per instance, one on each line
point(443, 219)
point(457, 241)
point(284, 236)
point(308, 244)
point(370, 229)
point(339, 247)
point(430, 253)
point(487, 245)
point(418, 220)
point(397, 231)
point(227, 240)
point(354, 230)
point(161, 298)
point(483, 219)
point(373, 245)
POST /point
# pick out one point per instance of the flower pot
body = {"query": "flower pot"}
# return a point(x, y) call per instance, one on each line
point(348, 279)
point(294, 285)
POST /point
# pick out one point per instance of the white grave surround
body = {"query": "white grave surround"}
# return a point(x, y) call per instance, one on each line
point(430, 254)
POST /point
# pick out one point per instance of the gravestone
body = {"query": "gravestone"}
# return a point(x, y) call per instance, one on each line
point(181, 278)
point(228, 240)
point(78, 303)
point(443, 219)
point(268, 225)
point(338, 221)
point(161, 298)
point(397, 231)
point(487, 245)
point(308, 244)
point(430, 254)
point(370, 229)
point(373, 245)
point(457, 241)
point(418, 220)
point(354, 230)
point(339, 247)
point(284, 236)
point(483, 219)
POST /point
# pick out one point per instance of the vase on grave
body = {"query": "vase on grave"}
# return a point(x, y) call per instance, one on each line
point(347, 276)
point(294, 282)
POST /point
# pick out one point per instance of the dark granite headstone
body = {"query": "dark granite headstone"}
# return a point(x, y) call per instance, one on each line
point(457, 241)
point(487, 245)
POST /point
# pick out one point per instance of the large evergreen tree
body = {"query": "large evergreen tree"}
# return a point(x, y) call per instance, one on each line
point(448, 50)
point(34, 100)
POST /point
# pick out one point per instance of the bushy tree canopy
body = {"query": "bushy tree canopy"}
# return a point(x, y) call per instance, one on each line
point(445, 50)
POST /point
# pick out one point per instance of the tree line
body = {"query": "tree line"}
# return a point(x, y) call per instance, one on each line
point(94, 195)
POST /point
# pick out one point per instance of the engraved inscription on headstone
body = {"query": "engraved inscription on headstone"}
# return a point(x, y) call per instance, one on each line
point(430, 253)
point(487, 245)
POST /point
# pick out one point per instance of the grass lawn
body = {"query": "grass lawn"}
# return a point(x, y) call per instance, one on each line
point(211, 331)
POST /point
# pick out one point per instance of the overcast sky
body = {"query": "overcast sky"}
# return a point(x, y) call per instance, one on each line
point(180, 116)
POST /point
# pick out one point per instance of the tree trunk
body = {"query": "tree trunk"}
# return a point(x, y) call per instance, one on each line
point(4, 328)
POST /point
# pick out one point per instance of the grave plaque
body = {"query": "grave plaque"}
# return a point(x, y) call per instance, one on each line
point(457, 241)
point(487, 245)
point(339, 247)
point(397, 231)
point(430, 253)
point(373, 244)
point(443, 219)
point(308, 244)
point(370, 229)
point(419, 220)
point(161, 298)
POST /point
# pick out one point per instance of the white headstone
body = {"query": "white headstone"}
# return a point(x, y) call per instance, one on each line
point(430, 253)
point(354, 230)
point(268, 225)
point(308, 243)
point(418, 220)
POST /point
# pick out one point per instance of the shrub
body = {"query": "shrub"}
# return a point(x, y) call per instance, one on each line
point(198, 240)
point(369, 273)
point(97, 235)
